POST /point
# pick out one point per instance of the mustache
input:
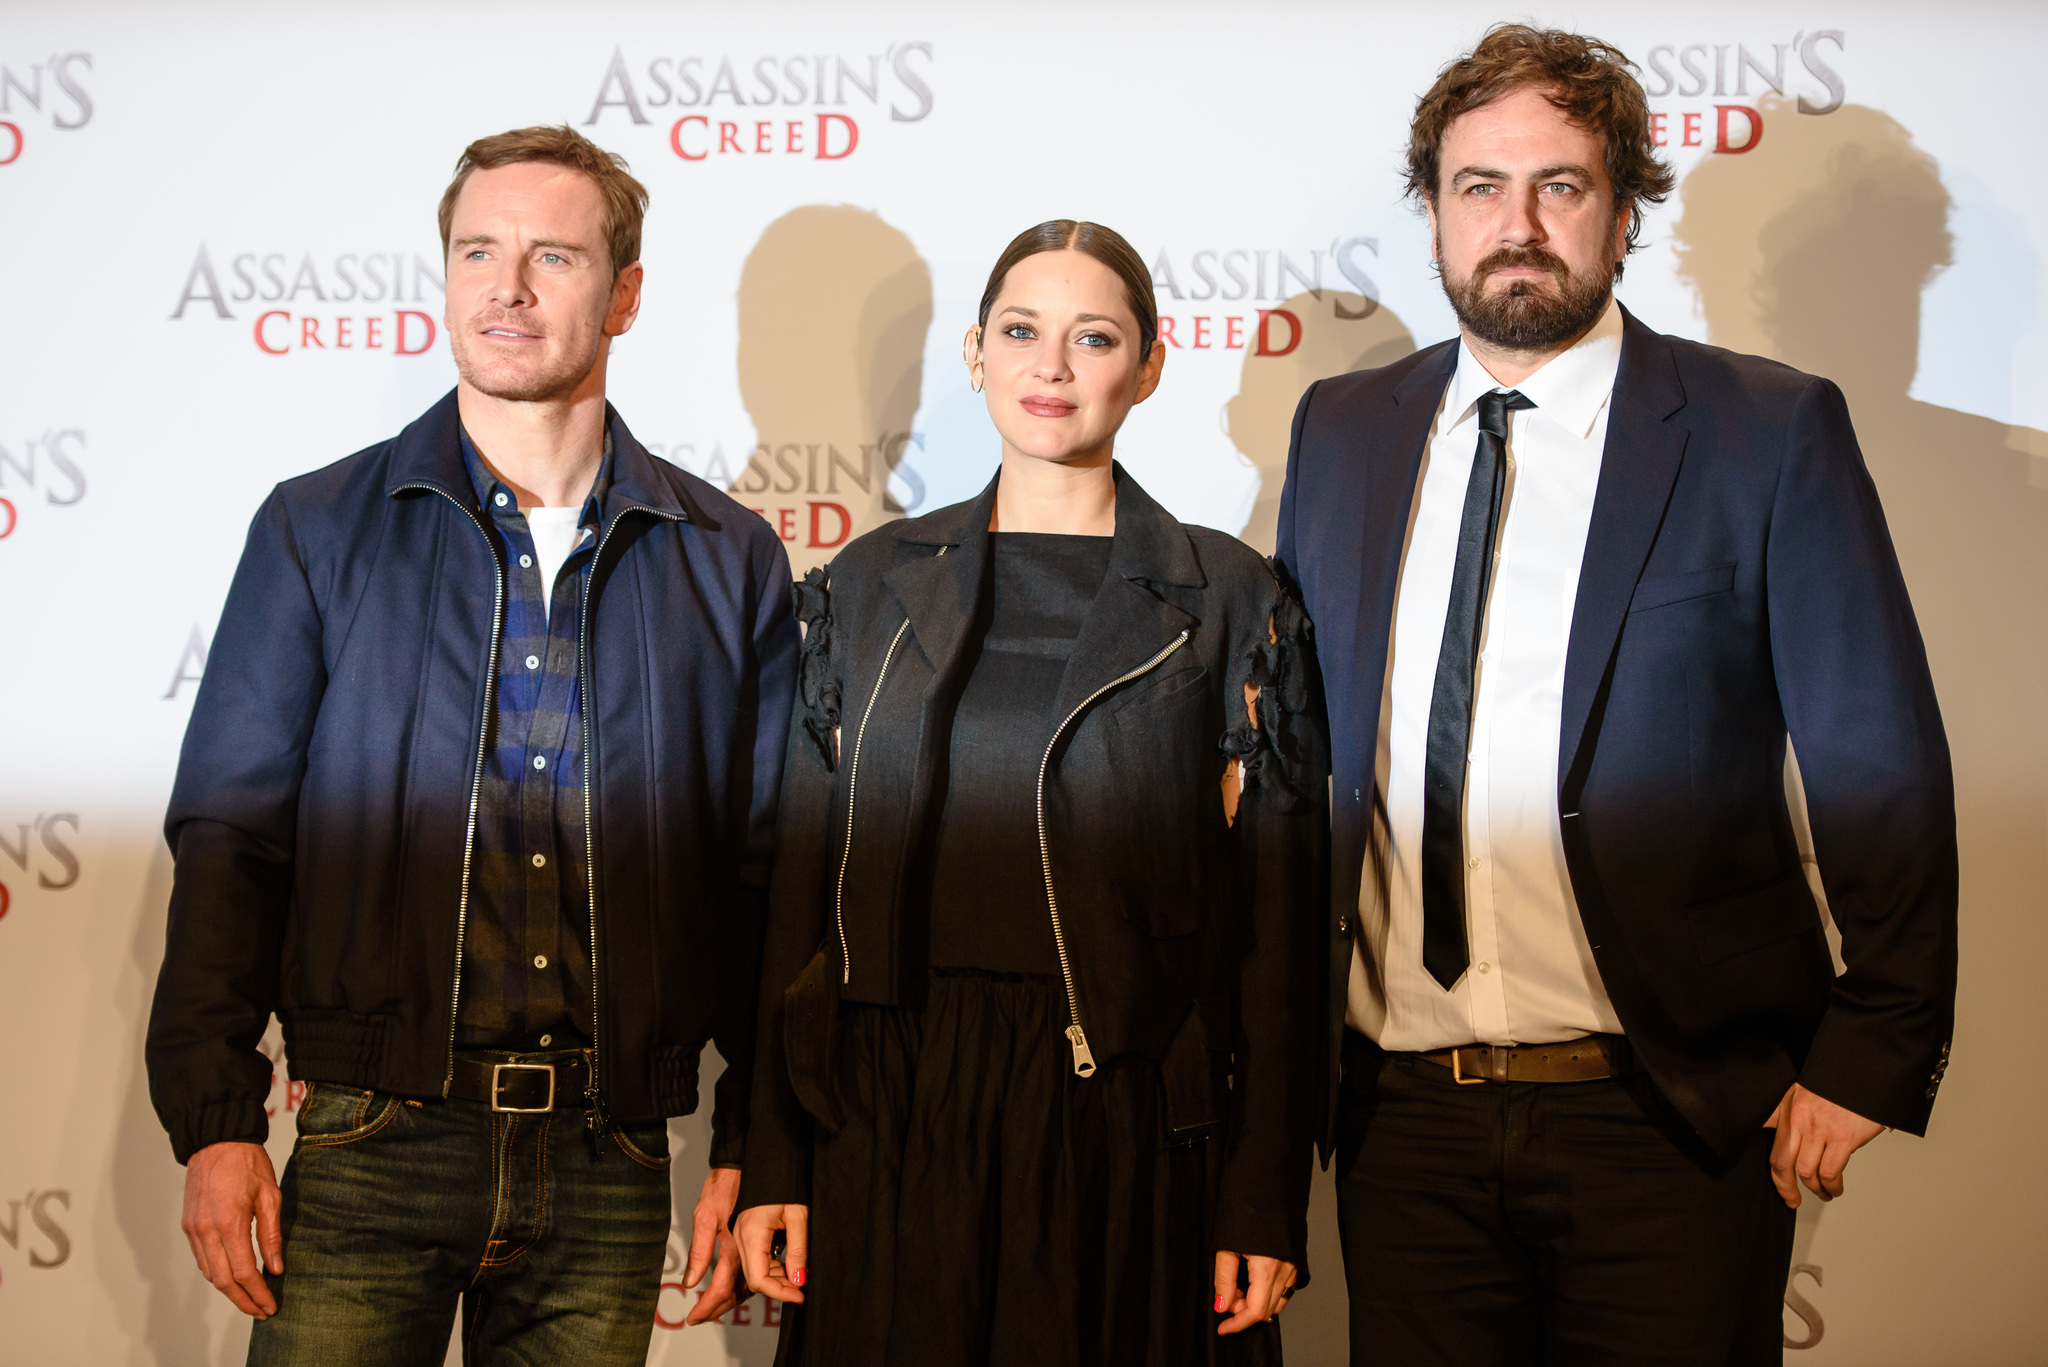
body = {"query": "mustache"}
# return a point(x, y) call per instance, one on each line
point(501, 318)
point(1530, 257)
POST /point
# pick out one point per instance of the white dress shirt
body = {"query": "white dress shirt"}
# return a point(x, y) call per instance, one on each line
point(1531, 978)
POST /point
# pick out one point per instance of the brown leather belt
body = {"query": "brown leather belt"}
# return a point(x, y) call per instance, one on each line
point(523, 1084)
point(1586, 1059)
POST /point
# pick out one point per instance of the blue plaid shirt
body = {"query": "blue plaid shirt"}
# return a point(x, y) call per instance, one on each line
point(526, 951)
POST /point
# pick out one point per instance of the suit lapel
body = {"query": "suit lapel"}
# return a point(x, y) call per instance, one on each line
point(1393, 463)
point(1638, 469)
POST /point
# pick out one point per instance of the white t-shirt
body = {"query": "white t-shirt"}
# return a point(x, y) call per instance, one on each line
point(555, 534)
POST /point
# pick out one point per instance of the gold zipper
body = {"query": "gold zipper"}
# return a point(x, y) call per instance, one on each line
point(1084, 1061)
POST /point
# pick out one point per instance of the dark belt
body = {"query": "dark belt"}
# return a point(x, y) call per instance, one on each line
point(1586, 1059)
point(523, 1084)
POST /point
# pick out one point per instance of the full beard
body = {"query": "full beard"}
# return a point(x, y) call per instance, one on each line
point(1523, 316)
point(549, 377)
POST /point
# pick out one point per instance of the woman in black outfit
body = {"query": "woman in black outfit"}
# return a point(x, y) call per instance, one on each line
point(1036, 1072)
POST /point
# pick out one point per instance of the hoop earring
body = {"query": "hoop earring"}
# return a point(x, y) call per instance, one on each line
point(976, 381)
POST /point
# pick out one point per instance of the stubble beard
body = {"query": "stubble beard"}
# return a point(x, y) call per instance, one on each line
point(555, 377)
point(1524, 316)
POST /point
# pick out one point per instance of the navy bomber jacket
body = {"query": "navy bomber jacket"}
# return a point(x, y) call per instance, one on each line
point(321, 815)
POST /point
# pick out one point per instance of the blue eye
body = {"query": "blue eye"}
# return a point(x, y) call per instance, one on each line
point(1096, 340)
point(1018, 331)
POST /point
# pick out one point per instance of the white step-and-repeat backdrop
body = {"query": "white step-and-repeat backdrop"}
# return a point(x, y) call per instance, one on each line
point(219, 268)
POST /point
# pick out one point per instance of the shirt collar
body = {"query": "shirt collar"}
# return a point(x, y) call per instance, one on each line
point(1571, 387)
point(487, 485)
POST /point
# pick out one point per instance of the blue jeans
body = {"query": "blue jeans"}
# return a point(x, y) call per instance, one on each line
point(550, 1238)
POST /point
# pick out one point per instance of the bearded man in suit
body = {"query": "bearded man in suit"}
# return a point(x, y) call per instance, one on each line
point(1576, 584)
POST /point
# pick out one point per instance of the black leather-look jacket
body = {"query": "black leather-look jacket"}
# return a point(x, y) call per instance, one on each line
point(1184, 937)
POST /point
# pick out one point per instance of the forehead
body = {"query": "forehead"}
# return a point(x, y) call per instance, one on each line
point(533, 191)
point(1520, 130)
point(1075, 279)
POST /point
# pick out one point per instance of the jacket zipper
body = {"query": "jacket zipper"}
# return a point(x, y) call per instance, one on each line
point(1084, 1061)
point(594, 1115)
point(476, 782)
point(853, 778)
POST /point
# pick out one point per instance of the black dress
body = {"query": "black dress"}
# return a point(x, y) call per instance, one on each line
point(982, 1203)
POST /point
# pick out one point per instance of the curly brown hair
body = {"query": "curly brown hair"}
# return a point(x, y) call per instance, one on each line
point(1589, 81)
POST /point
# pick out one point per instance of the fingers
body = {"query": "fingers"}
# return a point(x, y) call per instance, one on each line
point(269, 1230)
point(1283, 1287)
point(1834, 1160)
point(796, 1244)
point(1226, 1282)
point(227, 1278)
point(1784, 1160)
point(766, 1273)
point(242, 1267)
point(723, 1292)
point(1256, 1304)
point(704, 1231)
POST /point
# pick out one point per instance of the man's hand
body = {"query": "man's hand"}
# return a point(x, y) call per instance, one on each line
point(1271, 1282)
point(709, 1236)
point(765, 1273)
point(1815, 1139)
point(227, 1186)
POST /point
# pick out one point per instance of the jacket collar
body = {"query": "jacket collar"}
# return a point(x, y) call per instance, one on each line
point(1150, 544)
point(428, 455)
point(1126, 626)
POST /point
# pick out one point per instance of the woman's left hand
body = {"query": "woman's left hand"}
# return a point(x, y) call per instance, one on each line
point(1271, 1282)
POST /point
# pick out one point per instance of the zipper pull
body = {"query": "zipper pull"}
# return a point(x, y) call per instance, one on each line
point(1084, 1062)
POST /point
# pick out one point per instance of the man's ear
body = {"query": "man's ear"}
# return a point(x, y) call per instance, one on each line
point(625, 301)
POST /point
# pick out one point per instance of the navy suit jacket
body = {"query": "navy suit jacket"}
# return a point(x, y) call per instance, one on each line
point(1739, 584)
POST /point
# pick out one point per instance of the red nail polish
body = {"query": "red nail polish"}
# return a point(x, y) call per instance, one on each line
point(1221, 1301)
point(798, 1276)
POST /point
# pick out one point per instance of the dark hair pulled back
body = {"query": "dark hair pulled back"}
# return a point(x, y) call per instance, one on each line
point(1090, 239)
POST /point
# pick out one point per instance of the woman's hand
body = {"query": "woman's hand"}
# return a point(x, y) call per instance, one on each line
point(780, 1278)
point(1271, 1283)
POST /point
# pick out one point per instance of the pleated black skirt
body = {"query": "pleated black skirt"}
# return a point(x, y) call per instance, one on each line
point(983, 1204)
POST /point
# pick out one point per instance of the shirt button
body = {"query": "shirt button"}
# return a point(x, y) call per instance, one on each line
point(546, 1040)
point(525, 562)
point(540, 861)
point(540, 961)
point(499, 500)
point(540, 762)
point(1486, 968)
point(1474, 861)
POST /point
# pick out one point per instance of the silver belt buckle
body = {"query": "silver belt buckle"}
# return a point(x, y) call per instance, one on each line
point(497, 1076)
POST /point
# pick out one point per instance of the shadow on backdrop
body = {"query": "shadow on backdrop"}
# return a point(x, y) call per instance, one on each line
point(834, 305)
point(1304, 340)
point(173, 1324)
point(1815, 250)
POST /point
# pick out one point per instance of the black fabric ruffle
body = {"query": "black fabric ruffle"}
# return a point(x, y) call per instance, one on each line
point(1276, 753)
point(817, 685)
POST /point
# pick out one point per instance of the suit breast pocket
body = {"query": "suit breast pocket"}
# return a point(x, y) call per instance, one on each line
point(1665, 590)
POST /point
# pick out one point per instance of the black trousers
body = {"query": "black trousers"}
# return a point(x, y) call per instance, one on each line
point(1575, 1223)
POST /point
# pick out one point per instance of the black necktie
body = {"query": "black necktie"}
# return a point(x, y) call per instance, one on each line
point(1444, 949)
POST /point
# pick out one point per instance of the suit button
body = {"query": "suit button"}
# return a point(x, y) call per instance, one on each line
point(1343, 925)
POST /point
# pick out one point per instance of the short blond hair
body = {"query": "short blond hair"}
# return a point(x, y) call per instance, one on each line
point(625, 199)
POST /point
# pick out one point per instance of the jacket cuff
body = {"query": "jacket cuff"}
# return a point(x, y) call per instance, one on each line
point(219, 1122)
point(728, 1146)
